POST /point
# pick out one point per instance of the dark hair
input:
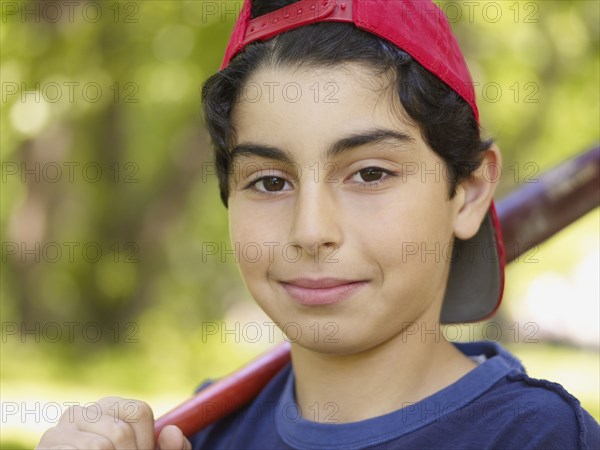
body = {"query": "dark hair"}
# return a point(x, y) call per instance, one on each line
point(446, 121)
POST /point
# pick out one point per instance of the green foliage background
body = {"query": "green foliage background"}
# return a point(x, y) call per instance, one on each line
point(156, 203)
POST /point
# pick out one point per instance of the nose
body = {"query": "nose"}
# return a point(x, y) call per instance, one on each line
point(316, 220)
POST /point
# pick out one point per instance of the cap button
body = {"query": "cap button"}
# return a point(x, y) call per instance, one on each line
point(343, 6)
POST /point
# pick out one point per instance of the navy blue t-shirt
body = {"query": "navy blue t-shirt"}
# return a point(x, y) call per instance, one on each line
point(494, 406)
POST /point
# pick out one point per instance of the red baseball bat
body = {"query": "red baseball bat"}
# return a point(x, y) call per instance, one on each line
point(227, 394)
point(528, 216)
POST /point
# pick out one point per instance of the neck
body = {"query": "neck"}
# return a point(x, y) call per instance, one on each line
point(349, 388)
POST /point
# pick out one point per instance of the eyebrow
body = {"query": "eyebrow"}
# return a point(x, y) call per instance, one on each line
point(340, 146)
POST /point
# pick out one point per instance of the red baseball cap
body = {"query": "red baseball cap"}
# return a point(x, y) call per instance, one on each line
point(419, 27)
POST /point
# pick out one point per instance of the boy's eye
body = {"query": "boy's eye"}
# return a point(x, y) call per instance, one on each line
point(270, 184)
point(369, 174)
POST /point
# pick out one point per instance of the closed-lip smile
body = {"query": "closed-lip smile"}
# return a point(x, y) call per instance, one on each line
point(321, 291)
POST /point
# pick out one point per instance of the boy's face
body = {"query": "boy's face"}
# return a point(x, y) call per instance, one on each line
point(320, 215)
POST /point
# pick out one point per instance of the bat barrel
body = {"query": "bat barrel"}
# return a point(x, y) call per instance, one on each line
point(546, 205)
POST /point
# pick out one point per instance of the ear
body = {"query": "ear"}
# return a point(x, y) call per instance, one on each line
point(474, 194)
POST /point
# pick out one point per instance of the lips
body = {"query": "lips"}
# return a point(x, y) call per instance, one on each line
point(321, 291)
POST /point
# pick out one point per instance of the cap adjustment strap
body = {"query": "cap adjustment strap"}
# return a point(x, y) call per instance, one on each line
point(296, 15)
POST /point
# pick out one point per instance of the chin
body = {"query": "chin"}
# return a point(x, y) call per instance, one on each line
point(328, 338)
point(342, 348)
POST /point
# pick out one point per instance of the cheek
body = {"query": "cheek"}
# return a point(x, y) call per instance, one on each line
point(410, 238)
point(254, 242)
point(255, 259)
point(401, 223)
point(243, 235)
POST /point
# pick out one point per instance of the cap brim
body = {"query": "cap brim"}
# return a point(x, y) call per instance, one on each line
point(476, 278)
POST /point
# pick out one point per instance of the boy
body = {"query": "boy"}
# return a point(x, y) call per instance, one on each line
point(321, 175)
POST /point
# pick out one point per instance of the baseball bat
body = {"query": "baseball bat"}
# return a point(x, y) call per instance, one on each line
point(528, 216)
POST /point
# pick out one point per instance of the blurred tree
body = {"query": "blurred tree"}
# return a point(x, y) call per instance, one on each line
point(129, 226)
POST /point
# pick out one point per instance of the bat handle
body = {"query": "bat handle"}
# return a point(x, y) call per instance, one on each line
point(226, 395)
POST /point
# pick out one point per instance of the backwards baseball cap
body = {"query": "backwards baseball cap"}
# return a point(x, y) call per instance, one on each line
point(420, 28)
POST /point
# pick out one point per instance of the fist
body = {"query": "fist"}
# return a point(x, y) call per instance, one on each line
point(112, 423)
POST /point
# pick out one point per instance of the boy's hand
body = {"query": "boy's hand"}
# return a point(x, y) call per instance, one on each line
point(112, 423)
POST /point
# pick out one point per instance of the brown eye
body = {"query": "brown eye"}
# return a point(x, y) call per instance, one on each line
point(272, 184)
point(371, 174)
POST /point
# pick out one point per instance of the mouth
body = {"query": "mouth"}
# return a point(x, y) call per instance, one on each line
point(321, 291)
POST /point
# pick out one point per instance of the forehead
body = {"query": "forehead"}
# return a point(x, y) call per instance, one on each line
point(304, 110)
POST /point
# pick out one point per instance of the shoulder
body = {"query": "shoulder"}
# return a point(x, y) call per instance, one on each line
point(541, 414)
point(556, 412)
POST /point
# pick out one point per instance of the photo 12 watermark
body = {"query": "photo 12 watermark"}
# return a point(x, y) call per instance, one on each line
point(290, 92)
point(70, 91)
point(70, 172)
point(69, 251)
point(475, 412)
point(116, 409)
point(70, 332)
point(269, 332)
point(126, 12)
point(514, 332)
